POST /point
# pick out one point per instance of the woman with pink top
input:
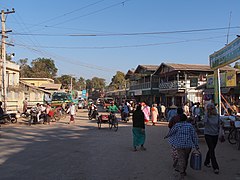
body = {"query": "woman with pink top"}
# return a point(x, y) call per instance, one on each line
point(146, 112)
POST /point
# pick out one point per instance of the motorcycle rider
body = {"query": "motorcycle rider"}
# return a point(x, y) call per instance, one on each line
point(35, 113)
point(92, 110)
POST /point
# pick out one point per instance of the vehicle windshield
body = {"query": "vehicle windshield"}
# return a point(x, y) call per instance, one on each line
point(108, 100)
point(60, 97)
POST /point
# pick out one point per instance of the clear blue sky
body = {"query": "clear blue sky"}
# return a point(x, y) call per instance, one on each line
point(43, 29)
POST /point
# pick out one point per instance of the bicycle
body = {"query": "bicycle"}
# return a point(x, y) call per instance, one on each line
point(234, 135)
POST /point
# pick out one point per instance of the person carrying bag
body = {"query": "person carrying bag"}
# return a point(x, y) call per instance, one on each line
point(183, 136)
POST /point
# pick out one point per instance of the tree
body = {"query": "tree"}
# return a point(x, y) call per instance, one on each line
point(80, 84)
point(118, 81)
point(40, 68)
point(25, 69)
point(65, 80)
point(44, 68)
point(98, 83)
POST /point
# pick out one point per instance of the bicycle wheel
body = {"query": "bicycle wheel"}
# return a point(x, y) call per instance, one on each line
point(232, 136)
point(57, 115)
point(238, 139)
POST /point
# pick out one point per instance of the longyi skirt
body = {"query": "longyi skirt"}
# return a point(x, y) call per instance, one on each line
point(138, 136)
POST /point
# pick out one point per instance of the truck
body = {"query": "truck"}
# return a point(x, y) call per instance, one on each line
point(62, 99)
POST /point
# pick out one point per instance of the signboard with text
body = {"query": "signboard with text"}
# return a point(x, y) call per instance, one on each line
point(226, 55)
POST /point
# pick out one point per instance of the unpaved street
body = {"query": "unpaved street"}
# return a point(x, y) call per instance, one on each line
point(81, 151)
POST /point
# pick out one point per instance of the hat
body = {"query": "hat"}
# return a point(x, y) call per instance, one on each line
point(173, 106)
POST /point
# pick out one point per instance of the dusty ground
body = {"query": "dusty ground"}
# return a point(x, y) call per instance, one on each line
point(83, 152)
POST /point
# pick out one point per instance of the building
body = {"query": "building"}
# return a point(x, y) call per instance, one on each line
point(169, 83)
point(11, 84)
point(143, 86)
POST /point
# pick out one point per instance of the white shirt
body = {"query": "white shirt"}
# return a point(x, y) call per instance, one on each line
point(71, 110)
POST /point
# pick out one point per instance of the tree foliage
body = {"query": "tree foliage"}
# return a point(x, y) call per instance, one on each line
point(44, 68)
point(118, 81)
point(40, 68)
point(95, 84)
point(25, 69)
point(65, 80)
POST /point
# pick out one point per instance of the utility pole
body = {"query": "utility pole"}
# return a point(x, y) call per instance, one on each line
point(3, 57)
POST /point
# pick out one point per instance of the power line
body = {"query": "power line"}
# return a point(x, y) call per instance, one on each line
point(90, 66)
point(94, 12)
point(65, 14)
point(132, 34)
point(127, 46)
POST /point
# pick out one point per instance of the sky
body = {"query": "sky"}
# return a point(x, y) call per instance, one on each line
point(97, 38)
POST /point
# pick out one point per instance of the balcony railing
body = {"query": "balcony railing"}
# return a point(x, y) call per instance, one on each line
point(173, 85)
point(147, 85)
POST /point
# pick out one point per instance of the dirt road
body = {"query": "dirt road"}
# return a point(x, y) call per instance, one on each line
point(81, 151)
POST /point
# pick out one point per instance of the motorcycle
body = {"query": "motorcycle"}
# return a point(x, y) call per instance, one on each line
point(93, 114)
point(33, 117)
point(25, 114)
point(8, 118)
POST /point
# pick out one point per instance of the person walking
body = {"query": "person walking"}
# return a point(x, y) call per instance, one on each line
point(49, 113)
point(171, 112)
point(171, 123)
point(163, 112)
point(138, 129)
point(186, 109)
point(146, 112)
point(25, 105)
point(71, 110)
point(183, 136)
point(211, 133)
point(154, 114)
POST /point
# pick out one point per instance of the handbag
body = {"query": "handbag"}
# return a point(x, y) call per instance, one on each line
point(196, 160)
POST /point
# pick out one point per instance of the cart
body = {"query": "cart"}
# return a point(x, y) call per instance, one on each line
point(109, 119)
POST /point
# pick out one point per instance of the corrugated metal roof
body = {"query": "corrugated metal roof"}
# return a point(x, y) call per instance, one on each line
point(149, 68)
point(51, 86)
point(195, 67)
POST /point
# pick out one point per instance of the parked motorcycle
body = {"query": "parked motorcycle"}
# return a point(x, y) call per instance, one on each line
point(8, 118)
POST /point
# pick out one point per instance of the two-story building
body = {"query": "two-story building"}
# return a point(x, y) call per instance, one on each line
point(143, 85)
point(17, 90)
point(169, 83)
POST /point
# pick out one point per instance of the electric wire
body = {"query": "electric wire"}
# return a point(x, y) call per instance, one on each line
point(131, 34)
point(129, 46)
point(91, 13)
